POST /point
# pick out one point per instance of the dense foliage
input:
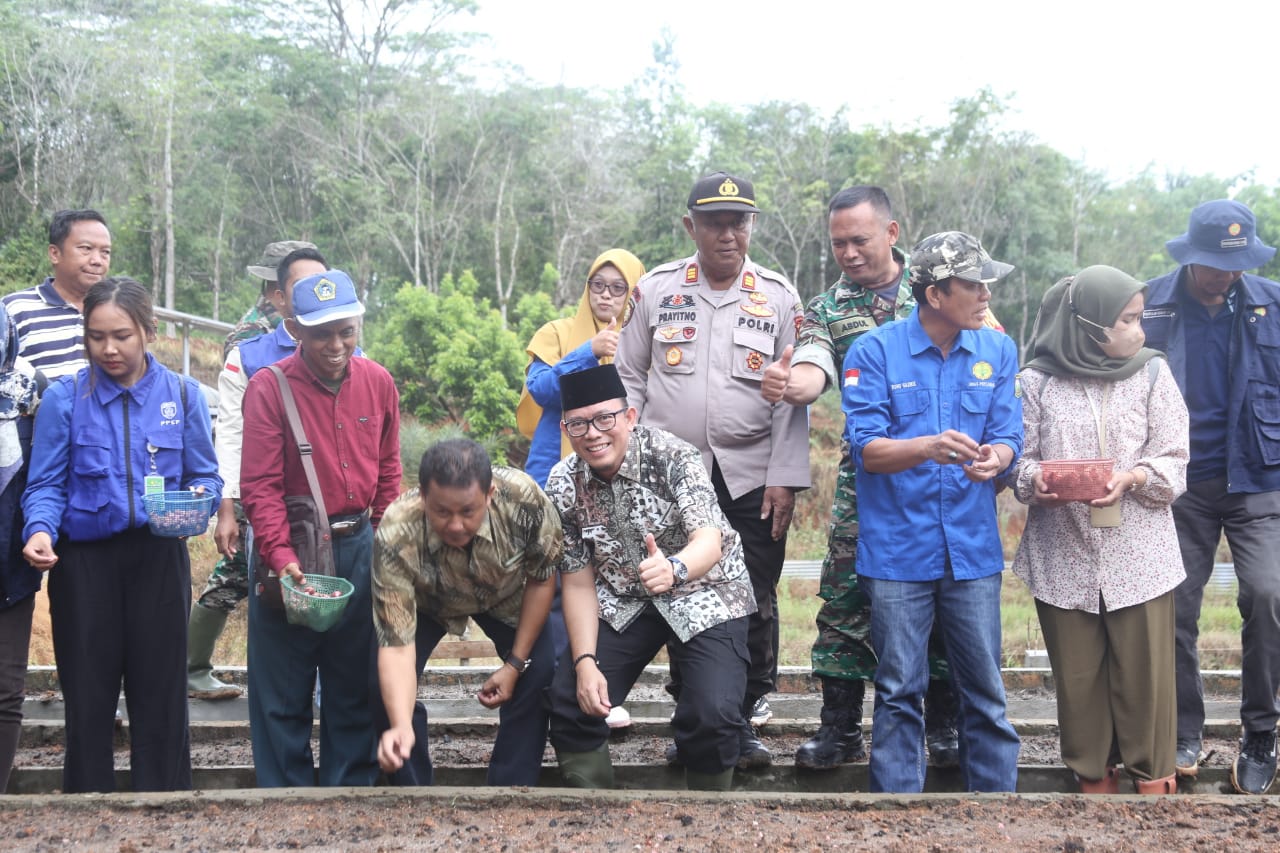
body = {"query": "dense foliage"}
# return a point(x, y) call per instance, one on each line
point(204, 129)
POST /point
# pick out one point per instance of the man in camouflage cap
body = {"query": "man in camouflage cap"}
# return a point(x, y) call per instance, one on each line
point(263, 316)
point(228, 583)
point(938, 367)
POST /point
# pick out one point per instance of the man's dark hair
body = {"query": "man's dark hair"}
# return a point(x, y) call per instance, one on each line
point(862, 194)
point(282, 268)
point(455, 463)
point(60, 225)
point(918, 289)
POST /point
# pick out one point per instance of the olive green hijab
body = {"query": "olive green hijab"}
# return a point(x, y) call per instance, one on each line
point(1062, 344)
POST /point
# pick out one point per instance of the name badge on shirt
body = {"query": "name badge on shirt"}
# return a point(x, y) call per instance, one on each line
point(153, 484)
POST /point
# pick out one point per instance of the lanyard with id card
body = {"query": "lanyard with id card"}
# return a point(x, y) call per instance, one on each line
point(153, 483)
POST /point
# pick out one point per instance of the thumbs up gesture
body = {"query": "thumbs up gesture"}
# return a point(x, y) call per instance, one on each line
point(655, 571)
point(776, 376)
point(605, 342)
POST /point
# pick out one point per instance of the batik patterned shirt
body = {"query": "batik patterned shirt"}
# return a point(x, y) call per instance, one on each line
point(414, 570)
point(661, 488)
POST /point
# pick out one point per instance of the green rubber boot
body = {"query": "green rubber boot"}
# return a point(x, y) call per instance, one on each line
point(586, 769)
point(202, 633)
point(695, 781)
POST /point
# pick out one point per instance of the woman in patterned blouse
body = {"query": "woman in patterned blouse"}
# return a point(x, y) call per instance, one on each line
point(1103, 571)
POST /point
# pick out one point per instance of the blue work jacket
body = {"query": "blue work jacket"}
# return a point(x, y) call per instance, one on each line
point(1253, 373)
point(897, 385)
point(94, 446)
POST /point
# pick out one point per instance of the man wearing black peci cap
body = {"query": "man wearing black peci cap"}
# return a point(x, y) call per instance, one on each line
point(649, 561)
point(1221, 331)
point(692, 356)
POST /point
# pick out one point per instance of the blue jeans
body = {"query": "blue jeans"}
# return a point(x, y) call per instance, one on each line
point(283, 662)
point(968, 615)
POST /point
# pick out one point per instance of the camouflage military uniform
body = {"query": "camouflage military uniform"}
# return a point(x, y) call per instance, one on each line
point(228, 583)
point(833, 320)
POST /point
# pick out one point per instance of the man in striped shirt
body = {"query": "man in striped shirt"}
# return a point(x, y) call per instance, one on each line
point(48, 316)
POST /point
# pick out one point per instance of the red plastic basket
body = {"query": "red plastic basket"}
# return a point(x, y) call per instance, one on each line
point(1077, 479)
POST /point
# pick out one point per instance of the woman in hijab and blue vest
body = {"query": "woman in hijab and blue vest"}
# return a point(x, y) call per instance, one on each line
point(121, 428)
point(1103, 571)
point(587, 339)
point(19, 393)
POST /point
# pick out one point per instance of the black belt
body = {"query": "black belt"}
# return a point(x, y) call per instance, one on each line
point(348, 525)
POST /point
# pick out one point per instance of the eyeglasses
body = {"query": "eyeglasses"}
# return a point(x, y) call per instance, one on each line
point(603, 422)
point(600, 286)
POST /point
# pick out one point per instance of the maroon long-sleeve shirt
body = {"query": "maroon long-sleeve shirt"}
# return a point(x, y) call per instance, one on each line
point(355, 440)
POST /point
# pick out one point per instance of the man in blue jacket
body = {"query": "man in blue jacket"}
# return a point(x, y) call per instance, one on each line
point(1229, 325)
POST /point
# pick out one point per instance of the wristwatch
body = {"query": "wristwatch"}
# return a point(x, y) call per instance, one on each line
point(679, 571)
point(518, 664)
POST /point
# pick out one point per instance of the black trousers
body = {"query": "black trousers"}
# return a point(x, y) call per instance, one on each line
point(764, 558)
point(119, 610)
point(522, 720)
point(708, 711)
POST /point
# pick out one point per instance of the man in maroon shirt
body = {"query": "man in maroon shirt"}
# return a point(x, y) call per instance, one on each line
point(350, 411)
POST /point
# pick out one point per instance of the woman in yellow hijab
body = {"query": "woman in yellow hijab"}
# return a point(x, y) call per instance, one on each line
point(587, 339)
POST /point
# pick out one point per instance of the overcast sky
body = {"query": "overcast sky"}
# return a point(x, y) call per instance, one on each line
point(1120, 85)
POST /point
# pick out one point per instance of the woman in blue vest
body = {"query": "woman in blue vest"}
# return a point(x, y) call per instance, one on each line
point(118, 594)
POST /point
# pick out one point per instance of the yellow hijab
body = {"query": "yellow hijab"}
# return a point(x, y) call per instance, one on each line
point(555, 339)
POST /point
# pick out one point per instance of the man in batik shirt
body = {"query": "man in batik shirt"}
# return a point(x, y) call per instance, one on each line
point(472, 541)
point(650, 560)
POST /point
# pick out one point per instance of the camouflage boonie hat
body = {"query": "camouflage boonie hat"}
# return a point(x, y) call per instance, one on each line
point(265, 268)
point(954, 254)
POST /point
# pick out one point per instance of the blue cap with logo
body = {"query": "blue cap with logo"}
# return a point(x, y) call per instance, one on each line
point(325, 297)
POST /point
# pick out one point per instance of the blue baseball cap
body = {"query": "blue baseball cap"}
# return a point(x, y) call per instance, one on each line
point(325, 297)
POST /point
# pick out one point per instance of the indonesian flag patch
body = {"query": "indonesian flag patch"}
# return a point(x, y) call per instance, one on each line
point(851, 378)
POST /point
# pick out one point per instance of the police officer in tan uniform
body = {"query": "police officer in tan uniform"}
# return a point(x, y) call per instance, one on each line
point(692, 355)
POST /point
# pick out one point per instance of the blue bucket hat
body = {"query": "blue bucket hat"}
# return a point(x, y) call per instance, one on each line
point(1222, 234)
point(325, 297)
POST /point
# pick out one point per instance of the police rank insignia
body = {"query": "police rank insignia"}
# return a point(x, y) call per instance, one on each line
point(691, 274)
point(755, 361)
point(675, 300)
point(749, 281)
point(982, 370)
point(758, 310)
point(670, 333)
point(325, 290)
point(757, 297)
point(674, 356)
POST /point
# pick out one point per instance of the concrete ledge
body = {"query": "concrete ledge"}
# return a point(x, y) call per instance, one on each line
point(780, 780)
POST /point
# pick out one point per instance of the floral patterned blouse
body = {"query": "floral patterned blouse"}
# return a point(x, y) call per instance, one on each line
point(1066, 562)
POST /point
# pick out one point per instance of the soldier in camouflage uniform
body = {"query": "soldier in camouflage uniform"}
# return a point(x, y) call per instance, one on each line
point(873, 289)
point(228, 584)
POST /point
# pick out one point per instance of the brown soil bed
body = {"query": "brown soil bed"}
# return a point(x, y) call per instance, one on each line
point(452, 819)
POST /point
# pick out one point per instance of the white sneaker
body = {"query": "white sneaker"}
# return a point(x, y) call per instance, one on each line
point(619, 718)
point(761, 713)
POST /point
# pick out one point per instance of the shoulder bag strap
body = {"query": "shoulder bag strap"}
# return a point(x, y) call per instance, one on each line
point(304, 449)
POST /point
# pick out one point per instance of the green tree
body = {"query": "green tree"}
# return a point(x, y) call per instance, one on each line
point(451, 355)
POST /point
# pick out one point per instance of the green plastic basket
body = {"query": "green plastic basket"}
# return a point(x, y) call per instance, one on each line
point(178, 513)
point(321, 611)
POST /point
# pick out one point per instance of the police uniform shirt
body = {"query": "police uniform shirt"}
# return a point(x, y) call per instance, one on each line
point(692, 359)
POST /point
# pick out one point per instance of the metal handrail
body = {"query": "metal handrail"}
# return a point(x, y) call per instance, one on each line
point(189, 322)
